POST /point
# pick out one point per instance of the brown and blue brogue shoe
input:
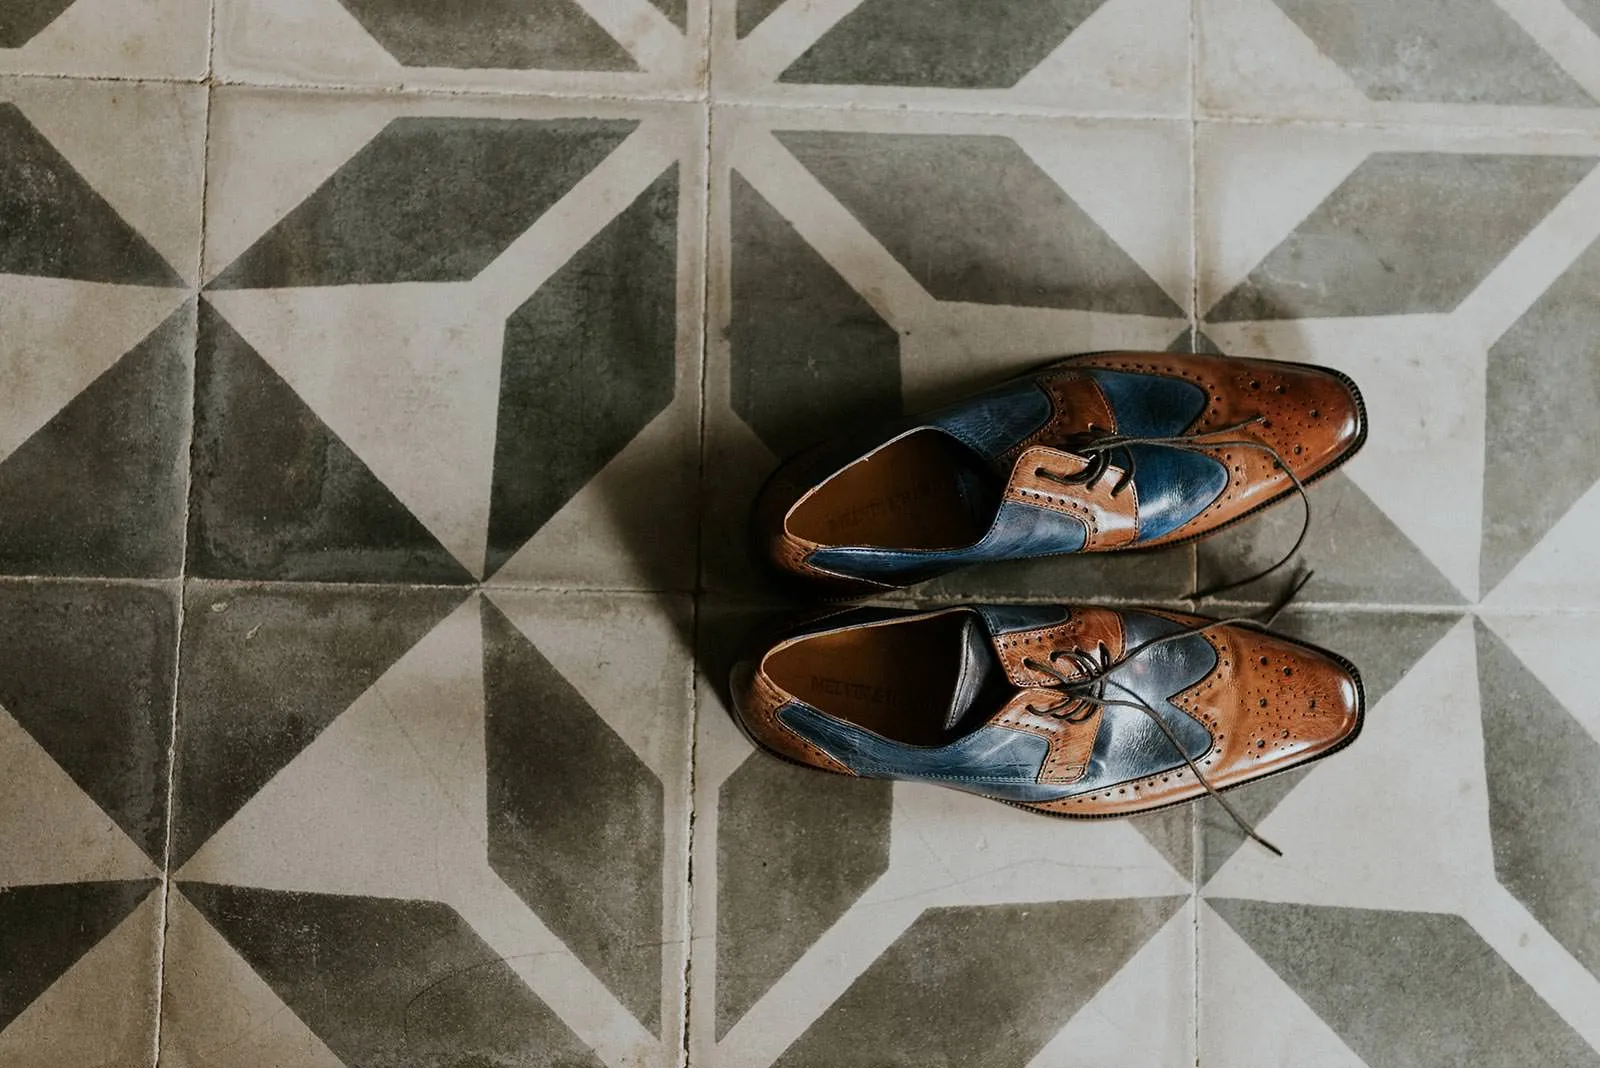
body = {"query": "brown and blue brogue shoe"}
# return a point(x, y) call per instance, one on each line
point(1092, 453)
point(1072, 711)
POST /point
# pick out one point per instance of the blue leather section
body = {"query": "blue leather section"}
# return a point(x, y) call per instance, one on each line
point(994, 761)
point(995, 420)
point(1128, 745)
point(1006, 618)
point(1174, 486)
point(1150, 405)
point(1019, 531)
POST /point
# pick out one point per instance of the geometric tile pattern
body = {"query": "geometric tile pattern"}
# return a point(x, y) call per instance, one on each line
point(386, 384)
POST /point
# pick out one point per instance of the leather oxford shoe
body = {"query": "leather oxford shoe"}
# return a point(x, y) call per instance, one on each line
point(1091, 453)
point(1072, 711)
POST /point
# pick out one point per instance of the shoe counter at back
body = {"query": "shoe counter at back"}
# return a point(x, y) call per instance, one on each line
point(1077, 711)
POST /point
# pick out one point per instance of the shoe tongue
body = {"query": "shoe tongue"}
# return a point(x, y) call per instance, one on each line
point(978, 664)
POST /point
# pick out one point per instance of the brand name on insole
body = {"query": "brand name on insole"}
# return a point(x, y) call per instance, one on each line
point(856, 691)
point(893, 503)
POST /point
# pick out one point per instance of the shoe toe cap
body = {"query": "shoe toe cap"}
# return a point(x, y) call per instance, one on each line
point(1279, 703)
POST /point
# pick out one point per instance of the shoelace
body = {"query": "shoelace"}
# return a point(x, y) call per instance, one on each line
point(1098, 450)
point(1080, 697)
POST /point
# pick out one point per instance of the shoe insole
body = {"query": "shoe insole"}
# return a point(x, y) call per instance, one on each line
point(907, 495)
point(895, 679)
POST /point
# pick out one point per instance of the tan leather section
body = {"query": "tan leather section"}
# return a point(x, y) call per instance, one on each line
point(756, 703)
point(1311, 418)
point(1271, 704)
point(1077, 406)
point(781, 549)
point(892, 679)
point(1070, 743)
point(903, 496)
point(1085, 630)
point(1112, 519)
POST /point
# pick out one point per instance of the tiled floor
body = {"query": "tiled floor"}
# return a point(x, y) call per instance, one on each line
point(382, 386)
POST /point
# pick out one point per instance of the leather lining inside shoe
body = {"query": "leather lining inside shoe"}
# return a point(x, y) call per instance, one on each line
point(914, 493)
point(895, 680)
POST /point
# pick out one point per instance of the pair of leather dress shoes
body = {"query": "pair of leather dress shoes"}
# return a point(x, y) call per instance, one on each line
point(1062, 709)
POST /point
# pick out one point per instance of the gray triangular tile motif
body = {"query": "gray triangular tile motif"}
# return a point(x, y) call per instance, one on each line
point(1386, 567)
point(1415, 50)
point(1542, 813)
point(1172, 834)
point(1543, 417)
point(504, 34)
point(968, 217)
point(22, 20)
point(1383, 646)
point(810, 356)
point(45, 930)
point(265, 671)
point(950, 43)
point(430, 199)
point(1194, 340)
point(751, 13)
point(386, 982)
point(978, 985)
point(1357, 252)
point(564, 791)
point(1407, 988)
point(98, 490)
point(795, 845)
point(71, 231)
point(588, 360)
point(87, 670)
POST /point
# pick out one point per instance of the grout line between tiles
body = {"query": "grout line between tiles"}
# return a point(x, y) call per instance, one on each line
point(1467, 129)
point(164, 913)
point(704, 311)
point(1196, 832)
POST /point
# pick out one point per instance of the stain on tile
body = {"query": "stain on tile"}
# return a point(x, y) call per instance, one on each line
point(1357, 253)
point(56, 225)
point(948, 43)
point(979, 984)
point(809, 355)
point(589, 359)
point(795, 850)
point(385, 982)
point(276, 495)
point(1542, 811)
point(45, 930)
point(264, 671)
point(429, 199)
point(575, 818)
point(973, 218)
point(1407, 989)
point(1461, 52)
point(99, 489)
point(88, 671)
point(1543, 417)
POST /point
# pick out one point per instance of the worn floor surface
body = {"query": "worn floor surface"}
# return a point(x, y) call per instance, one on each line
point(382, 384)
